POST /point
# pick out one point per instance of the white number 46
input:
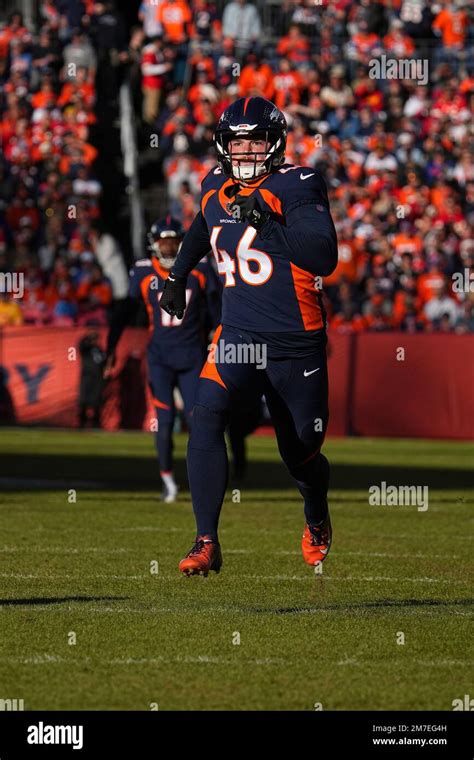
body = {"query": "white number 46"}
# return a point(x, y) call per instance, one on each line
point(244, 255)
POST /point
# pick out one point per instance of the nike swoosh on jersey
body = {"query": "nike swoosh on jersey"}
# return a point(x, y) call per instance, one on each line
point(306, 176)
point(307, 374)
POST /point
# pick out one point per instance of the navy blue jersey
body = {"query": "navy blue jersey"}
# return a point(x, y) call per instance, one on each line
point(271, 277)
point(147, 279)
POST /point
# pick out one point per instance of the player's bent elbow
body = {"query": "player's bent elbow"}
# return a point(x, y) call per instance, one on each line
point(326, 257)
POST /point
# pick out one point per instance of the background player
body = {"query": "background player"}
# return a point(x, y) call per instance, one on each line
point(177, 348)
point(271, 232)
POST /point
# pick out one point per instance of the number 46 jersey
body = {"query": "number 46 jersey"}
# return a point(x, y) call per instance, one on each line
point(269, 277)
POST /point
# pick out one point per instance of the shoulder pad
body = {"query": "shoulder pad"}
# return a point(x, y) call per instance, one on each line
point(139, 267)
point(292, 184)
point(143, 263)
point(213, 180)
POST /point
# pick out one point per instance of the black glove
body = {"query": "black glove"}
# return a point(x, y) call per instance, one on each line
point(245, 208)
point(173, 298)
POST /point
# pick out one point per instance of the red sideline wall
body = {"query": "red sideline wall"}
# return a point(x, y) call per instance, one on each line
point(428, 394)
point(389, 384)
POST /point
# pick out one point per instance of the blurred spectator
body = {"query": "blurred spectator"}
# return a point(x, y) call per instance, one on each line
point(441, 305)
point(175, 18)
point(10, 311)
point(465, 320)
point(337, 93)
point(241, 23)
point(60, 295)
point(94, 293)
point(148, 15)
point(79, 54)
point(46, 53)
point(107, 252)
point(451, 22)
point(154, 67)
point(294, 46)
point(256, 78)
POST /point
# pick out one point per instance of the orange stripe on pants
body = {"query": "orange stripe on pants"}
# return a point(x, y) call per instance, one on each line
point(209, 371)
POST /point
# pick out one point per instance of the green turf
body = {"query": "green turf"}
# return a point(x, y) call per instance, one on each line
point(144, 638)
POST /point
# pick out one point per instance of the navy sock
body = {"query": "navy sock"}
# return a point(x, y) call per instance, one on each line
point(207, 468)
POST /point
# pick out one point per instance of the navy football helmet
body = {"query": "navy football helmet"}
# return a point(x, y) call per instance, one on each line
point(255, 119)
point(164, 240)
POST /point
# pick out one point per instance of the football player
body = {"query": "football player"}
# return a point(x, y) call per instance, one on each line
point(270, 229)
point(177, 347)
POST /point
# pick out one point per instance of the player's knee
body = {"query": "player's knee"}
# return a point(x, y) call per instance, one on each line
point(208, 428)
point(312, 433)
point(306, 456)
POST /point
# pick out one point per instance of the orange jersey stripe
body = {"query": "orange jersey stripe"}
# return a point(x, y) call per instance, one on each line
point(201, 277)
point(272, 201)
point(205, 199)
point(159, 269)
point(144, 288)
point(223, 199)
point(307, 298)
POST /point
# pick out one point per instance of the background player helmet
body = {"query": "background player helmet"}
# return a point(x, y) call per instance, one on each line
point(251, 118)
point(164, 240)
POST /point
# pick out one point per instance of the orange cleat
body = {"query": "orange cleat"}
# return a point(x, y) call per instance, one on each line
point(316, 542)
point(204, 556)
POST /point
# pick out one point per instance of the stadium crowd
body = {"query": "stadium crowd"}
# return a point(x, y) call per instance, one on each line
point(50, 213)
point(397, 153)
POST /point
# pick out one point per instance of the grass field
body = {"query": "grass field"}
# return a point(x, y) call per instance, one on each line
point(144, 638)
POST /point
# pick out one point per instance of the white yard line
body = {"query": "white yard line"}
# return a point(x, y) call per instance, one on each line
point(147, 529)
point(64, 550)
point(336, 553)
point(48, 659)
point(179, 578)
point(121, 550)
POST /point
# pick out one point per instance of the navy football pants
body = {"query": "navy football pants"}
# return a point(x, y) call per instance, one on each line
point(165, 373)
point(296, 391)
